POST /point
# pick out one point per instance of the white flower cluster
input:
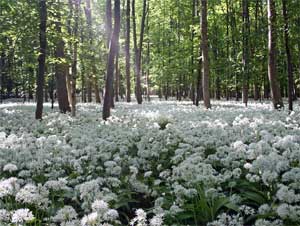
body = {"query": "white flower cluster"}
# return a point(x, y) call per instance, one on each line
point(161, 152)
point(141, 219)
point(102, 215)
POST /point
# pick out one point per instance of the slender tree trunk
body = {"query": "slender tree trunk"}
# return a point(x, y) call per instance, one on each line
point(205, 61)
point(117, 80)
point(256, 88)
point(138, 49)
point(246, 33)
point(199, 84)
point(41, 59)
point(110, 62)
point(89, 90)
point(148, 71)
point(228, 68)
point(96, 89)
point(288, 55)
point(272, 70)
point(68, 73)
point(1, 77)
point(148, 54)
point(127, 53)
point(75, 55)
point(60, 71)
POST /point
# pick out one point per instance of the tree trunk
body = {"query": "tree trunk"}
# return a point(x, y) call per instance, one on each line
point(42, 60)
point(205, 60)
point(89, 90)
point(127, 53)
point(68, 74)
point(272, 70)
point(288, 55)
point(138, 49)
point(256, 88)
point(60, 72)
point(88, 14)
point(246, 33)
point(117, 81)
point(148, 55)
point(1, 76)
point(75, 55)
point(110, 63)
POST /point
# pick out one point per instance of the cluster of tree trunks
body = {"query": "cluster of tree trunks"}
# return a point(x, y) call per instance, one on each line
point(198, 90)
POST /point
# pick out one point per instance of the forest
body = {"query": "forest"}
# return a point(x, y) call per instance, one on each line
point(150, 112)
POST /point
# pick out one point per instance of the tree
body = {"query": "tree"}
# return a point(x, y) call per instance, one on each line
point(41, 60)
point(74, 63)
point(272, 70)
point(288, 55)
point(138, 49)
point(205, 60)
point(110, 62)
point(88, 13)
point(60, 70)
point(246, 34)
point(127, 52)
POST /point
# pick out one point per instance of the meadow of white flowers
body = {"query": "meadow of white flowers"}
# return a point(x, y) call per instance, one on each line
point(162, 163)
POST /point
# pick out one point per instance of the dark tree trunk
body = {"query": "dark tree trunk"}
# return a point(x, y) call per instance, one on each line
point(205, 60)
point(117, 80)
point(138, 49)
point(60, 72)
point(89, 90)
point(75, 55)
point(246, 34)
point(256, 88)
point(228, 68)
point(127, 53)
point(110, 63)
point(2, 56)
point(41, 59)
point(288, 55)
point(272, 70)
point(68, 74)
point(148, 55)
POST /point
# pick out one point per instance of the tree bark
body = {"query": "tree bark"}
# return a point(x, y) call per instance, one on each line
point(60, 71)
point(75, 55)
point(205, 60)
point(288, 55)
point(246, 33)
point(117, 81)
point(41, 60)
point(138, 49)
point(256, 88)
point(110, 63)
point(272, 70)
point(127, 53)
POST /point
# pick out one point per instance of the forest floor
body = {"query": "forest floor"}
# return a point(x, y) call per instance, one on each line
point(241, 164)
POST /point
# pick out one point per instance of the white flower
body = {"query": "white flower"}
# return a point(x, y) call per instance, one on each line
point(10, 168)
point(140, 219)
point(90, 219)
point(4, 215)
point(22, 216)
point(247, 166)
point(156, 220)
point(8, 187)
point(65, 214)
point(100, 205)
point(111, 215)
point(32, 194)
